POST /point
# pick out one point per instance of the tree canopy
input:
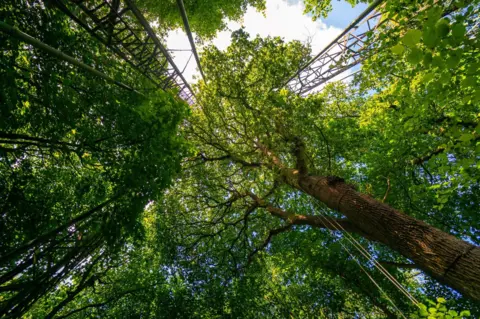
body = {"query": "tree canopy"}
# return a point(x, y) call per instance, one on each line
point(206, 18)
point(358, 200)
point(80, 159)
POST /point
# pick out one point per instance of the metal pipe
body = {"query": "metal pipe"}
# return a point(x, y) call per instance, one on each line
point(181, 6)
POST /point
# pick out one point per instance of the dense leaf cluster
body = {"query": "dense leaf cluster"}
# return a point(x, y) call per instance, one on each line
point(79, 159)
point(108, 213)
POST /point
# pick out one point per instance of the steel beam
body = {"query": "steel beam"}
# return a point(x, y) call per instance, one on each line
point(340, 55)
point(121, 27)
point(183, 12)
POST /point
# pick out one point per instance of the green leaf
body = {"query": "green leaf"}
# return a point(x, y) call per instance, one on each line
point(423, 312)
point(465, 313)
point(441, 300)
point(428, 77)
point(434, 14)
point(442, 309)
point(429, 37)
point(438, 62)
point(442, 200)
point(398, 49)
point(453, 313)
point(458, 31)
point(453, 61)
point(427, 59)
point(415, 56)
point(461, 3)
point(412, 37)
point(443, 28)
point(25, 60)
point(466, 137)
point(468, 82)
point(422, 306)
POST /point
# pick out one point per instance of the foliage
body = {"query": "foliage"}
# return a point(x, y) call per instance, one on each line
point(439, 310)
point(345, 134)
point(216, 227)
point(206, 18)
point(321, 8)
point(101, 223)
point(79, 159)
point(425, 68)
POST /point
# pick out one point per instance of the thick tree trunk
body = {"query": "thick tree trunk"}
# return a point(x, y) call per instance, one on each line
point(448, 259)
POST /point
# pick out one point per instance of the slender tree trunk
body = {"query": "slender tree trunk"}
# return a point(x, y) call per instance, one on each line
point(446, 258)
point(52, 233)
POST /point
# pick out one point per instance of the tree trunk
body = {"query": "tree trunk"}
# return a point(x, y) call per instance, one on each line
point(446, 258)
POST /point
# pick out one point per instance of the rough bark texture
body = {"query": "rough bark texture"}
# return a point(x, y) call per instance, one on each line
point(443, 256)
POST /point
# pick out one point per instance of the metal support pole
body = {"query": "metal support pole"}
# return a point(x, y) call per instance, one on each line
point(189, 34)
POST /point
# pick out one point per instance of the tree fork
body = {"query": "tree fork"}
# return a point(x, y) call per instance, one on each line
point(446, 258)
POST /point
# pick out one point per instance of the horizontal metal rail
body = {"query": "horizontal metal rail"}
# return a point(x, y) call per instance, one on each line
point(121, 27)
point(340, 55)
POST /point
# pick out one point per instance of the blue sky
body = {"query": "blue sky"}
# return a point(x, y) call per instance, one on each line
point(343, 13)
point(282, 18)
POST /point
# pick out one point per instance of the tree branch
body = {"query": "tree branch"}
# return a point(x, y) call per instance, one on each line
point(100, 304)
point(328, 147)
point(299, 152)
point(316, 221)
point(267, 240)
point(423, 159)
point(387, 191)
point(230, 157)
point(269, 154)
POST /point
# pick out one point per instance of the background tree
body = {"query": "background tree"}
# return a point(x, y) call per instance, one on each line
point(206, 18)
point(79, 158)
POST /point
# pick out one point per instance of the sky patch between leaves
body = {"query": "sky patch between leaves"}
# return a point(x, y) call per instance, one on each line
point(283, 18)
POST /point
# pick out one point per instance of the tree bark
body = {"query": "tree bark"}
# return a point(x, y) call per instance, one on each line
point(446, 258)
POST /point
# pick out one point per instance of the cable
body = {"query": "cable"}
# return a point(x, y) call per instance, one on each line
point(373, 280)
point(361, 267)
point(367, 255)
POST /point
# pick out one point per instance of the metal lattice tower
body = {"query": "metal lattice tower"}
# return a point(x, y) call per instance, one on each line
point(121, 27)
point(341, 54)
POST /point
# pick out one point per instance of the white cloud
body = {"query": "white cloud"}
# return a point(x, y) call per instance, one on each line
point(280, 19)
point(178, 42)
point(284, 20)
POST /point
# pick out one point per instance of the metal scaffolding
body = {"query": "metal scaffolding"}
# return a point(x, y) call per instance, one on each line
point(340, 55)
point(120, 26)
